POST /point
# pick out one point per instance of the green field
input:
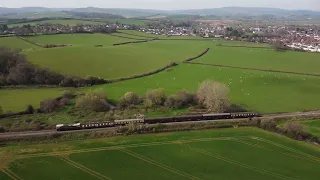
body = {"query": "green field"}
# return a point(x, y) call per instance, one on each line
point(258, 91)
point(78, 39)
point(268, 59)
point(71, 22)
point(248, 153)
point(17, 99)
point(312, 126)
point(16, 43)
point(114, 61)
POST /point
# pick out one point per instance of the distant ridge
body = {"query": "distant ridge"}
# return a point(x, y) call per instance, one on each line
point(224, 11)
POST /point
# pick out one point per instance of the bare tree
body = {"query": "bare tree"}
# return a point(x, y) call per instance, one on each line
point(214, 96)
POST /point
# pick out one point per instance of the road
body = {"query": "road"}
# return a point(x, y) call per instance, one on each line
point(49, 132)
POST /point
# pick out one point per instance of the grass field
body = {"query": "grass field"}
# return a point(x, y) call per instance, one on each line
point(17, 99)
point(248, 153)
point(259, 91)
point(78, 39)
point(71, 22)
point(313, 126)
point(268, 59)
point(16, 43)
point(114, 62)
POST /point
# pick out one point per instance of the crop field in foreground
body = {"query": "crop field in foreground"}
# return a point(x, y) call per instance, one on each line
point(71, 22)
point(18, 99)
point(258, 91)
point(248, 153)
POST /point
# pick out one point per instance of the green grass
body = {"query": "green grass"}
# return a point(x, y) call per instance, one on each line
point(71, 22)
point(17, 99)
point(16, 43)
point(268, 59)
point(114, 62)
point(249, 153)
point(78, 39)
point(313, 126)
point(47, 168)
point(258, 91)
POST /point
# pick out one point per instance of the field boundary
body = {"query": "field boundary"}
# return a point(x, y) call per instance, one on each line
point(134, 42)
point(196, 57)
point(112, 34)
point(163, 166)
point(254, 69)
point(138, 35)
point(155, 71)
point(237, 163)
point(85, 169)
point(31, 42)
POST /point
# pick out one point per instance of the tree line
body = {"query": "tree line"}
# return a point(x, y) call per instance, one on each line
point(16, 70)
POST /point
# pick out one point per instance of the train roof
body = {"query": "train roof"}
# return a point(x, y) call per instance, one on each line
point(217, 114)
point(125, 120)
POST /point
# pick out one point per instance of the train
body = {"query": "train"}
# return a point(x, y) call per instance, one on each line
point(143, 120)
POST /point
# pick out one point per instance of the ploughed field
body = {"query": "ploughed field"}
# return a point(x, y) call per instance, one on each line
point(245, 153)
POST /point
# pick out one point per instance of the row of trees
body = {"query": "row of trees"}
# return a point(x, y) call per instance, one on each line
point(16, 70)
point(213, 96)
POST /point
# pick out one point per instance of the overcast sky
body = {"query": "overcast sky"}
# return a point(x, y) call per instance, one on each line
point(164, 4)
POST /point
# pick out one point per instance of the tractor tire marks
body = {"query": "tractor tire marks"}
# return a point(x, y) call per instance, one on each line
point(240, 164)
point(163, 166)
point(11, 174)
point(271, 150)
point(288, 148)
point(120, 147)
point(85, 169)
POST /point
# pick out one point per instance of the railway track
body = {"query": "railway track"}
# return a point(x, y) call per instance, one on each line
point(49, 132)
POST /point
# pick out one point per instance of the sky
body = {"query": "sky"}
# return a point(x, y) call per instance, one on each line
point(163, 4)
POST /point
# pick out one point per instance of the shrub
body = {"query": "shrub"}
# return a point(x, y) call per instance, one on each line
point(2, 129)
point(156, 96)
point(49, 105)
point(147, 104)
point(180, 100)
point(295, 129)
point(64, 101)
point(93, 102)
point(68, 94)
point(268, 124)
point(129, 99)
point(30, 109)
point(214, 96)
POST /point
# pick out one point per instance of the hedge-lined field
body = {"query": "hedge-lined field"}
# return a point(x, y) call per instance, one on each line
point(209, 154)
point(77, 39)
point(114, 62)
point(17, 100)
point(71, 22)
point(258, 91)
point(17, 43)
point(312, 126)
point(303, 62)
